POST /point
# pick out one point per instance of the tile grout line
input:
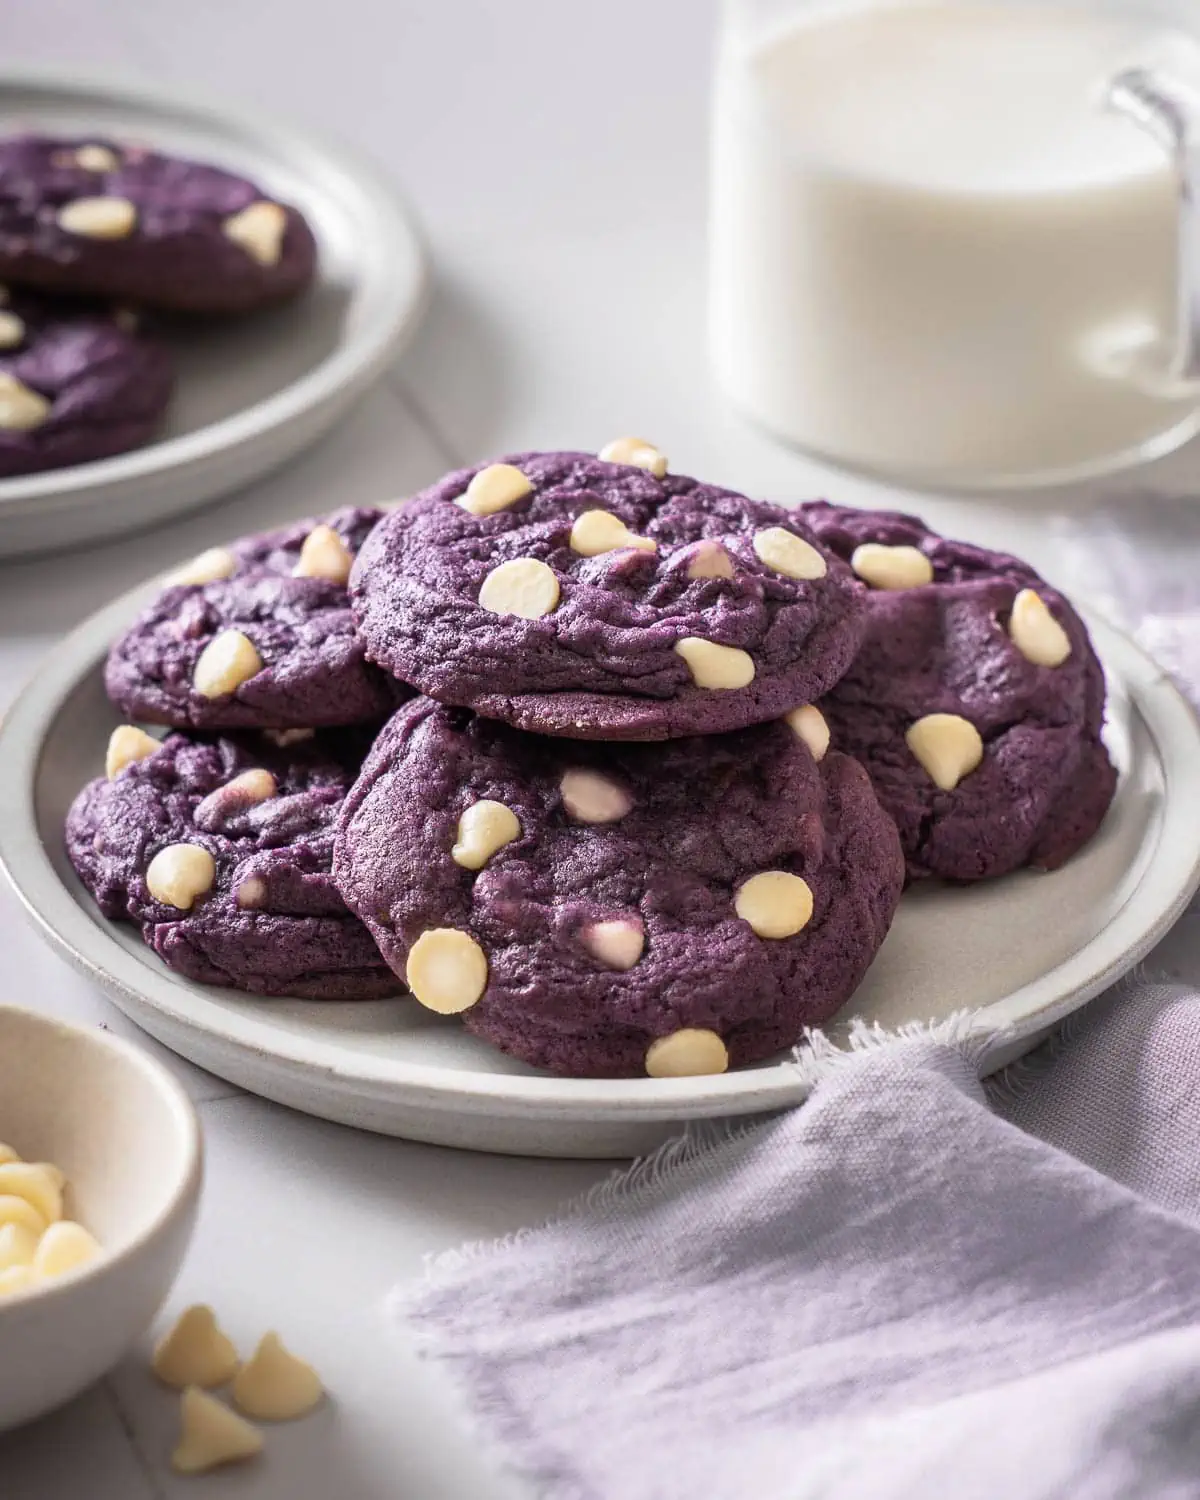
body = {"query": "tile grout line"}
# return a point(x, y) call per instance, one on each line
point(432, 429)
point(125, 1422)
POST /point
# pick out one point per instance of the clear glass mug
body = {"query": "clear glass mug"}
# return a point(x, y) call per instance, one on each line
point(957, 242)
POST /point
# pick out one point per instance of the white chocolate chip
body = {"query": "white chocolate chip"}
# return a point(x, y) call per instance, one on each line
point(64, 1247)
point(775, 903)
point(126, 745)
point(98, 218)
point(789, 554)
point(692, 1052)
point(494, 488)
point(524, 587)
point(251, 893)
point(324, 555)
point(15, 1210)
point(90, 158)
point(21, 407)
point(285, 737)
point(179, 873)
point(12, 330)
point(710, 560)
point(15, 1280)
point(592, 798)
point(259, 231)
point(619, 944)
point(947, 745)
point(56, 1174)
point(39, 1188)
point(636, 452)
point(209, 567)
point(1035, 632)
point(713, 666)
point(246, 790)
point(7, 1154)
point(211, 1435)
point(195, 1351)
point(447, 970)
point(483, 829)
point(808, 724)
point(891, 567)
point(18, 1244)
point(599, 531)
point(274, 1386)
point(228, 660)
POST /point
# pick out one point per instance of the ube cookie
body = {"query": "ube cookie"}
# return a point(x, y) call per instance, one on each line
point(976, 701)
point(220, 850)
point(606, 910)
point(597, 599)
point(257, 635)
point(92, 217)
point(76, 384)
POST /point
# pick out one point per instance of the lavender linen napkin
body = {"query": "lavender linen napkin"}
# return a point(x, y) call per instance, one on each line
point(901, 1289)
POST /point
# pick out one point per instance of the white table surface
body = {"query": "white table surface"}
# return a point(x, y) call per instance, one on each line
point(555, 153)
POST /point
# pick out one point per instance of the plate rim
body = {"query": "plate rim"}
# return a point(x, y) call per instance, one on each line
point(1171, 878)
point(401, 299)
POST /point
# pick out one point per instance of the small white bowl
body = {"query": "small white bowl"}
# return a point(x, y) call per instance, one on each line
point(128, 1139)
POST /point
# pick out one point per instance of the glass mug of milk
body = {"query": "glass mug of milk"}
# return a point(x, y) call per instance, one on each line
point(956, 241)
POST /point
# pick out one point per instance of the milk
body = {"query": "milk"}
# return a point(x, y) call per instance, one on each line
point(934, 252)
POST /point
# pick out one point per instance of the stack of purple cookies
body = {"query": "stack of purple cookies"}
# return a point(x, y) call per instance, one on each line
point(659, 761)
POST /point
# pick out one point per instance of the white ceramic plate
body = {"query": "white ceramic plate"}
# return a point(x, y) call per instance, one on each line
point(1029, 949)
point(251, 393)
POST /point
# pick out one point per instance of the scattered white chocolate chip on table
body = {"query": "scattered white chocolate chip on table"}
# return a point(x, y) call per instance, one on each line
point(446, 970)
point(776, 904)
point(484, 828)
point(692, 1052)
point(598, 531)
point(619, 943)
point(1035, 632)
point(591, 797)
point(524, 586)
point(891, 568)
point(274, 1385)
point(21, 407)
point(228, 660)
point(785, 552)
point(808, 723)
point(722, 668)
point(195, 1351)
point(179, 874)
point(98, 218)
point(211, 1434)
point(494, 488)
point(209, 567)
point(126, 745)
point(635, 452)
point(259, 230)
point(324, 555)
point(948, 746)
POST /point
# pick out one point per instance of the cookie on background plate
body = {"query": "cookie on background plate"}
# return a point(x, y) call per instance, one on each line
point(609, 910)
point(976, 702)
point(220, 850)
point(77, 383)
point(603, 598)
point(256, 635)
point(93, 217)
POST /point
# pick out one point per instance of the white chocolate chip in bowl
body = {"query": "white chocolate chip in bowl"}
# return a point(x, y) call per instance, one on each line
point(179, 874)
point(484, 829)
point(692, 1052)
point(324, 555)
point(274, 1385)
point(618, 943)
point(599, 531)
point(785, 552)
point(211, 1435)
point(891, 568)
point(64, 1247)
point(493, 489)
point(637, 453)
point(524, 587)
point(590, 797)
point(21, 407)
point(259, 230)
point(127, 744)
point(709, 560)
point(195, 1351)
point(228, 660)
point(1035, 632)
point(723, 668)
point(12, 330)
point(18, 1246)
point(948, 746)
point(98, 218)
point(447, 970)
point(808, 723)
point(776, 904)
point(37, 1185)
point(17, 1210)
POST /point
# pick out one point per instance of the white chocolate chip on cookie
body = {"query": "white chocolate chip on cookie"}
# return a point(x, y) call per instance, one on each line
point(259, 231)
point(239, 793)
point(98, 218)
point(12, 330)
point(598, 531)
point(592, 798)
point(775, 903)
point(947, 745)
point(1035, 632)
point(228, 660)
point(494, 488)
point(447, 970)
point(195, 1351)
point(710, 560)
point(211, 1435)
point(693, 1052)
point(524, 587)
point(808, 724)
point(891, 567)
point(637, 453)
point(251, 893)
point(209, 567)
point(713, 666)
point(618, 944)
point(484, 828)
point(180, 873)
point(274, 1386)
point(21, 407)
point(90, 158)
point(285, 737)
point(126, 745)
point(785, 552)
point(324, 555)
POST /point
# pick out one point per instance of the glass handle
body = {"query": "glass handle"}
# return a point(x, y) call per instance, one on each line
point(1170, 112)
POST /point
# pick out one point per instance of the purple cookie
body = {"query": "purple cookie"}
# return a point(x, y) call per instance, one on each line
point(1018, 774)
point(265, 914)
point(609, 910)
point(571, 596)
point(92, 217)
point(256, 646)
point(76, 384)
